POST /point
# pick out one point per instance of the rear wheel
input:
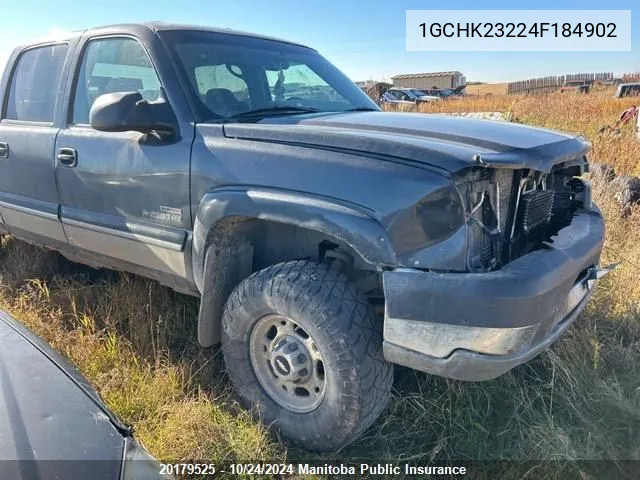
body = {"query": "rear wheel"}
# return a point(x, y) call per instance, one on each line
point(303, 347)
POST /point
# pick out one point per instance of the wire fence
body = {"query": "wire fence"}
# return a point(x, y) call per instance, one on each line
point(631, 77)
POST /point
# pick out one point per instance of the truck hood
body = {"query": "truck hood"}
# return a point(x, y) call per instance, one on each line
point(445, 142)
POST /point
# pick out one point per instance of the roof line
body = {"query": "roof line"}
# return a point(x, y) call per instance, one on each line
point(428, 74)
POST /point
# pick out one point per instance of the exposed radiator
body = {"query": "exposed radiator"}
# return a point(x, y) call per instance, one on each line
point(504, 183)
point(535, 209)
point(512, 224)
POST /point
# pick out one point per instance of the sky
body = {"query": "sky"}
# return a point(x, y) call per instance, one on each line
point(365, 39)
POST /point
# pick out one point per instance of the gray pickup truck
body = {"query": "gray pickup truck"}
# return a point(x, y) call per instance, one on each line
point(326, 240)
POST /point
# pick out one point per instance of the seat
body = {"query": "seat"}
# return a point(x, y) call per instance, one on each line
point(224, 103)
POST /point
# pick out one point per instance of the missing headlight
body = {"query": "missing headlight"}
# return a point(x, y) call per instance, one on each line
point(433, 219)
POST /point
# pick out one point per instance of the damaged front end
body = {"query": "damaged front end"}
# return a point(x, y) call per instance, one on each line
point(511, 212)
point(533, 244)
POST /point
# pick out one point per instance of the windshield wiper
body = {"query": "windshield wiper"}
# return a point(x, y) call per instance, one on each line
point(360, 109)
point(269, 111)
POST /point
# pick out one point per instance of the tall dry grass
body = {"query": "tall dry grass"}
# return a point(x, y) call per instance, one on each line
point(135, 340)
point(487, 89)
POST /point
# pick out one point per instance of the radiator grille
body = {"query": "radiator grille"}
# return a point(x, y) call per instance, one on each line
point(535, 209)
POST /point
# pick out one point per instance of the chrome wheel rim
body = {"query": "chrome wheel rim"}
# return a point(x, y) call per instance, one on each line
point(287, 363)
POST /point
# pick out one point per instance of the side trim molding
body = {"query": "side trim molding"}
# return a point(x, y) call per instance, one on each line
point(134, 236)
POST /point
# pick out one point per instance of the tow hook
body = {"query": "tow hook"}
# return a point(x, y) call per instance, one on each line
point(596, 273)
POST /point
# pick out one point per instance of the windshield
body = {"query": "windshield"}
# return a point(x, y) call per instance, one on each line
point(417, 92)
point(231, 76)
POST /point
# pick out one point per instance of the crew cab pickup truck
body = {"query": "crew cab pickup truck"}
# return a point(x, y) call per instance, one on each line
point(327, 240)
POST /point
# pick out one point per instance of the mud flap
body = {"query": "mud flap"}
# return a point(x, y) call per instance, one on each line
point(224, 268)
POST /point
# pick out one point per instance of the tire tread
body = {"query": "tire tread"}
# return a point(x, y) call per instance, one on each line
point(344, 314)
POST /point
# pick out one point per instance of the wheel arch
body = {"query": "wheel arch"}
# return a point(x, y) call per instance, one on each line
point(240, 230)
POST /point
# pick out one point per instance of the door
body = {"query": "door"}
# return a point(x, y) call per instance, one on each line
point(28, 194)
point(124, 196)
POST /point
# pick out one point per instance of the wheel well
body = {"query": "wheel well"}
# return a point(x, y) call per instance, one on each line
point(275, 242)
point(238, 246)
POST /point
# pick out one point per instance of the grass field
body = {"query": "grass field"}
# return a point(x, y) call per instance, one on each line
point(135, 340)
point(487, 89)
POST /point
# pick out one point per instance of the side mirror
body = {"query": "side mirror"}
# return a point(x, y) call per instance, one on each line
point(128, 111)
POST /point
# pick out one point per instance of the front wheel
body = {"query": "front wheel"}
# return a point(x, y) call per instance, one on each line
point(303, 347)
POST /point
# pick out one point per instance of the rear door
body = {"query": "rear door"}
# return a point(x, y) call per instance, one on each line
point(124, 196)
point(28, 194)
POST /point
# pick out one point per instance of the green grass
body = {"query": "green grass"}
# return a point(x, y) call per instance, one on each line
point(135, 340)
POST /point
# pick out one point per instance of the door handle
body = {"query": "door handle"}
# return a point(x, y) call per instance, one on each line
point(68, 157)
point(4, 150)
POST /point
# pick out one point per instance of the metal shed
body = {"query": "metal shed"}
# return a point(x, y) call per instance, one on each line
point(429, 80)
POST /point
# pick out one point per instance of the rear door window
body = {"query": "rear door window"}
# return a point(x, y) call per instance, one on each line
point(34, 84)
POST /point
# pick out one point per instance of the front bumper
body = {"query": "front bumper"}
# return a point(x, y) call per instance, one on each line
point(477, 326)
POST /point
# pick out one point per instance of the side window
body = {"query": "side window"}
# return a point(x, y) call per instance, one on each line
point(35, 82)
point(113, 65)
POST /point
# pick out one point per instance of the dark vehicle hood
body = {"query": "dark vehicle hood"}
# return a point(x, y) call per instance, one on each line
point(48, 413)
point(442, 141)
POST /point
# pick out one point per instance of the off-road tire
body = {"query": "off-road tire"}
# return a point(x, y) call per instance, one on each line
point(349, 337)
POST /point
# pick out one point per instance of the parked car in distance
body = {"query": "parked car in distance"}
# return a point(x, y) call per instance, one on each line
point(628, 90)
point(445, 92)
point(579, 86)
point(437, 92)
point(421, 96)
point(53, 423)
point(327, 240)
point(388, 98)
point(412, 95)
